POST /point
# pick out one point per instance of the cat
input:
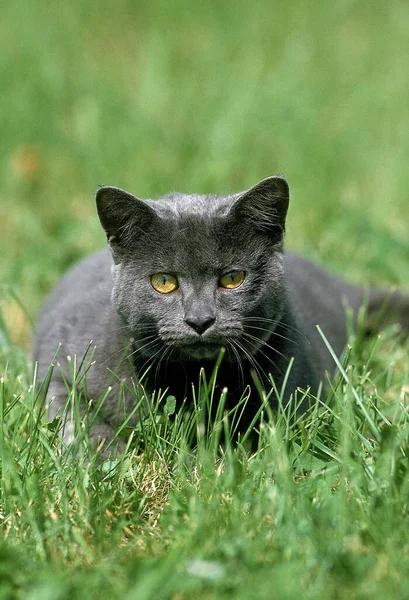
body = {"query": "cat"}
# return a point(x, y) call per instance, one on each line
point(184, 277)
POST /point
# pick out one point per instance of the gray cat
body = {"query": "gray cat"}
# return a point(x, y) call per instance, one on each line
point(187, 275)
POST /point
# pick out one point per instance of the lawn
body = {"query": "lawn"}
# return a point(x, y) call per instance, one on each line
point(206, 97)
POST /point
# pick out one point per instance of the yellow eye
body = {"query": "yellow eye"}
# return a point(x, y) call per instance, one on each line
point(164, 283)
point(232, 279)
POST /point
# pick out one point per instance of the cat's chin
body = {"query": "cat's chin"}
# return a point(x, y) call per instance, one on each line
point(199, 351)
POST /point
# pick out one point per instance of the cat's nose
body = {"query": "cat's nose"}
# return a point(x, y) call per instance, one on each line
point(200, 324)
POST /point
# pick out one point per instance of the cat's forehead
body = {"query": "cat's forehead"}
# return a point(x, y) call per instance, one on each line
point(196, 236)
point(179, 207)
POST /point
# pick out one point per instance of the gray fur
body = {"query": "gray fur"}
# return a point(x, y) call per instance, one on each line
point(270, 318)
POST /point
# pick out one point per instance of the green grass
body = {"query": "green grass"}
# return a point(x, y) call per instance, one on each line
point(206, 97)
point(318, 509)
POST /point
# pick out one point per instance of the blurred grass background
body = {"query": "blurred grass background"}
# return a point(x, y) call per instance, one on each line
point(203, 96)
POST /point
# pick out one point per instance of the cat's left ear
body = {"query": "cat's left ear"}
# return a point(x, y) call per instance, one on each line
point(264, 206)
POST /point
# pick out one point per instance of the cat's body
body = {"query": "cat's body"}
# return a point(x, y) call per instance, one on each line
point(189, 275)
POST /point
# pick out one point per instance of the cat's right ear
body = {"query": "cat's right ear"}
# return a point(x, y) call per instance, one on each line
point(122, 215)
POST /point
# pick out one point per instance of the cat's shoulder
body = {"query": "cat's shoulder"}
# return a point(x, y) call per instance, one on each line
point(93, 271)
point(88, 283)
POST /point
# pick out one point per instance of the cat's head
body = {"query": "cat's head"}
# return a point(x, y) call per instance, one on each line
point(193, 274)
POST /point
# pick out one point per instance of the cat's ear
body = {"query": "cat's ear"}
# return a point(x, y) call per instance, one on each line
point(264, 206)
point(122, 215)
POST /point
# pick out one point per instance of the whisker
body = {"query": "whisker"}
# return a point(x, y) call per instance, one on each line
point(268, 358)
point(116, 354)
point(168, 357)
point(167, 350)
point(278, 324)
point(292, 328)
point(126, 347)
point(252, 361)
point(140, 348)
point(239, 363)
point(274, 333)
point(263, 343)
point(151, 360)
